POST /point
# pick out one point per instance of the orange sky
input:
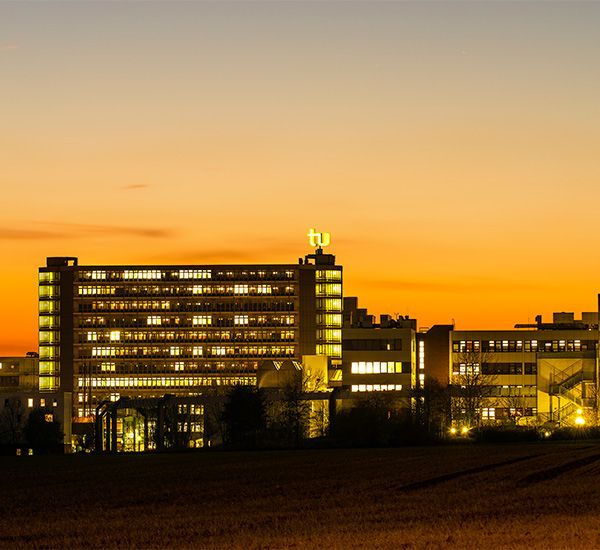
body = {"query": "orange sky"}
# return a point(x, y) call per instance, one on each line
point(451, 149)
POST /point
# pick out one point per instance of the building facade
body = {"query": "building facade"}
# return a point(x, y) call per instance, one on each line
point(377, 357)
point(545, 372)
point(145, 331)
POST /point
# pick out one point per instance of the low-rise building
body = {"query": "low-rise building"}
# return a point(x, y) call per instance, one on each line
point(543, 372)
point(377, 357)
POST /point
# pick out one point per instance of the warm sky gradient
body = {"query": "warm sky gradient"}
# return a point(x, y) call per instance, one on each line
point(452, 149)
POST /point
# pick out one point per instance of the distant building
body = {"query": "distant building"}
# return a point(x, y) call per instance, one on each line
point(19, 395)
point(19, 374)
point(544, 372)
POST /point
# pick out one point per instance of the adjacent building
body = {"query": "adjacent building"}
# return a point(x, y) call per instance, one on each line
point(377, 357)
point(543, 372)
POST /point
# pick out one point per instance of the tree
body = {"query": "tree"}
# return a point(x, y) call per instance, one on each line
point(244, 416)
point(470, 387)
point(42, 432)
point(11, 422)
point(297, 415)
point(433, 407)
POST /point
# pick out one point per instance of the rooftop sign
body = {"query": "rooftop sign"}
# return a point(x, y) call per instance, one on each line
point(318, 239)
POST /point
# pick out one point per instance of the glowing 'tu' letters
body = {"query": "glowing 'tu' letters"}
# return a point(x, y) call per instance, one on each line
point(318, 239)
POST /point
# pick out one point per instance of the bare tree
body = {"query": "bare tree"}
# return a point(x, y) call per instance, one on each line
point(12, 421)
point(471, 388)
point(295, 414)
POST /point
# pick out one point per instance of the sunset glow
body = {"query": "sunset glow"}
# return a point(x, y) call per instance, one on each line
point(449, 148)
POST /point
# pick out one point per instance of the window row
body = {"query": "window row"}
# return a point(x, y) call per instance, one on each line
point(131, 382)
point(328, 289)
point(126, 336)
point(197, 320)
point(509, 368)
point(328, 275)
point(380, 367)
point(187, 351)
point(177, 275)
point(373, 344)
point(375, 387)
point(153, 366)
point(137, 305)
point(493, 413)
point(165, 291)
point(503, 346)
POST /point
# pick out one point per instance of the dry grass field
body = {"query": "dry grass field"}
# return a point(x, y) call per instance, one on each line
point(538, 495)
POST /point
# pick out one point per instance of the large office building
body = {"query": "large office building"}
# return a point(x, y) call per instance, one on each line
point(144, 331)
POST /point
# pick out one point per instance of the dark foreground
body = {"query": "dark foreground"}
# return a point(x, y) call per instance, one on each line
point(539, 495)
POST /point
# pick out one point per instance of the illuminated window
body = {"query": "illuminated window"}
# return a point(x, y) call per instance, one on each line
point(145, 274)
point(197, 350)
point(332, 320)
point(328, 275)
point(195, 274)
point(263, 289)
point(49, 277)
point(175, 350)
point(115, 336)
point(331, 350)
point(328, 289)
point(240, 289)
point(240, 320)
point(154, 320)
point(179, 365)
point(202, 320)
point(329, 304)
point(92, 336)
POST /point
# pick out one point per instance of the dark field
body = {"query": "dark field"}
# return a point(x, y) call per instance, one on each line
point(538, 495)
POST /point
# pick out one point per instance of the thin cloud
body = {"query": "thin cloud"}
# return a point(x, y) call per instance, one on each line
point(26, 234)
point(7, 47)
point(136, 186)
point(463, 285)
point(70, 231)
point(154, 233)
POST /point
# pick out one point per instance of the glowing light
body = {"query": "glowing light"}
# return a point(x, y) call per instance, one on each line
point(464, 430)
point(546, 433)
point(580, 421)
point(453, 431)
point(318, 239)
point(579, 412)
